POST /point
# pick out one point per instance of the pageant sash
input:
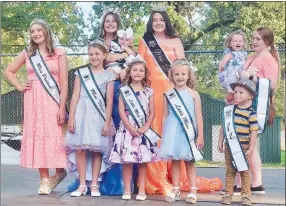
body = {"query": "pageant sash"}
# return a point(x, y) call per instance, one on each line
point(158, 53)
point(92, 90)
point(45, 77)
point(183, 115)
point(137, 112)
point(261, 102)
point(238, 158)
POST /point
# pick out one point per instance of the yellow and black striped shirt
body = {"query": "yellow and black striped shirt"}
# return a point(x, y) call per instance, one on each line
point(245, 121)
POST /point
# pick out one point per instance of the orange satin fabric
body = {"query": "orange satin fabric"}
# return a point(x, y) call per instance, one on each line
point(158, 177)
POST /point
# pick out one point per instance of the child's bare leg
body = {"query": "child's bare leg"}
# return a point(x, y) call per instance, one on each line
point(176, 166)
point(44, 173)
point(96, 165)
point(192, 175)
point(81, 167)
point(142, 177)
point(127, 176)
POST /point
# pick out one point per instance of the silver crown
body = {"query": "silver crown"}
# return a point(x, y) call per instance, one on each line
point(138, 58)
point(39, 21)
point(180, 62)
point(159, 7)
point(99, 42)
point(111, 9)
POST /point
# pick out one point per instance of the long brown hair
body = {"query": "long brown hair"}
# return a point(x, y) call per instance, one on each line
point(191, 82)
point(48, 35)
point(145, 81)
point(267, 35)
point(117, 19)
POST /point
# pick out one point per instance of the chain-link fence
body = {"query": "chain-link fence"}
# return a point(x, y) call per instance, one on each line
point(202, 57)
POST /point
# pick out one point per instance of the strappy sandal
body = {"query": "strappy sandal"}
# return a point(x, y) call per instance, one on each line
point(95, 194)
point(78, 193)
point(172, 197)
point(57, 178)
point(45, 188)
point(141, 196)
point(126, 196)
point(192, 198)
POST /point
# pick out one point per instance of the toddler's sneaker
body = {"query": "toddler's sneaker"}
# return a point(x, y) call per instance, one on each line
point(245, 200)
point(226, 199)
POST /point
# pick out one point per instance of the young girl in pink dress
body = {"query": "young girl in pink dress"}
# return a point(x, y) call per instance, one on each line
point(42, 142)
point(131, 145)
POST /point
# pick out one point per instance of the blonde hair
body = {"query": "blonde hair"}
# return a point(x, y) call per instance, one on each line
point(48, 38)
point(229, 37)
point(145, 81)
point(191, 82)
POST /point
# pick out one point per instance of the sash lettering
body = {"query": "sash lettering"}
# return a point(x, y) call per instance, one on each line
point(239, 161)
point(92, 90)
point(184, 117)
point(137, 112)
point(261, 102)
point(158, 53)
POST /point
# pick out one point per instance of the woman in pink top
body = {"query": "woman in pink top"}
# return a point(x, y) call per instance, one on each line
point(42, 142)
point(264, 64)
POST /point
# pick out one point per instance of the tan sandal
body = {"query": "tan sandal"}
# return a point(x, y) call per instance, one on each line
point(45, 188)
point(172, 197)
point(57, 178)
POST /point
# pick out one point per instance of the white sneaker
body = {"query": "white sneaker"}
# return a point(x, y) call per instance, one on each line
point(141, 196)
point(126, 196)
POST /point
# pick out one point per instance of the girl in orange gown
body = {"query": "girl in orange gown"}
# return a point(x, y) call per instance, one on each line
point(159, 174)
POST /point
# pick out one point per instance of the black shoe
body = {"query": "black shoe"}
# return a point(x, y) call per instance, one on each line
point(236, 191)
point(260, 190)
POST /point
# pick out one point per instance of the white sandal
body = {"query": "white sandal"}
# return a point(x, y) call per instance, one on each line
point(126, 196)
point(141, 196)
point(95, 194)
point(192, 198)
point(78, 193)
point(172, 197)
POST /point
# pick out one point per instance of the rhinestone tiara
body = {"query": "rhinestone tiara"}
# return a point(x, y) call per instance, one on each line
point(41, 21)
point(138, 58)
point(98, 41)
point(111, 9)
point(180, 62)
point(159, 7)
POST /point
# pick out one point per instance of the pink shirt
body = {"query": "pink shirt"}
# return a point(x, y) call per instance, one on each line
point(265, 66)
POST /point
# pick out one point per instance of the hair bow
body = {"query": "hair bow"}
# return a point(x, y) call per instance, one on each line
point(128, 33)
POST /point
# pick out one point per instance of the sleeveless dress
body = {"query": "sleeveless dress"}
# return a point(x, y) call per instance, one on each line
point(174, 144)
point(88, 126)
point(158, 175)
point(231, 69)
point(129, 149)
point(43, 141)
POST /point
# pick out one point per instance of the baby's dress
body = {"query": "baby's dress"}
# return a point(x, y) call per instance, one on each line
point(88, 128)
point(129, 149)
point(175, 145)
point(232, 68)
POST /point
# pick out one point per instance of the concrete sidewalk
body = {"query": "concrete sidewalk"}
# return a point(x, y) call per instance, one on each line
point(19, 187)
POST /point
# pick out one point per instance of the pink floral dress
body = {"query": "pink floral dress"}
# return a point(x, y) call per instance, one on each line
point(43, 140)
point(129, 149)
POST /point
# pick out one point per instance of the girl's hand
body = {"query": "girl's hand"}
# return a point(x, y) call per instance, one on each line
point(200, 142)
point(26, 86)
point(105, 130)
point(133, 132)
point(142, 130)
point(128, 50)
point(248, 154)
point(61, 116)
point(244, 74)
point(220, 66)
point(71, 125)
point(220, 146)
